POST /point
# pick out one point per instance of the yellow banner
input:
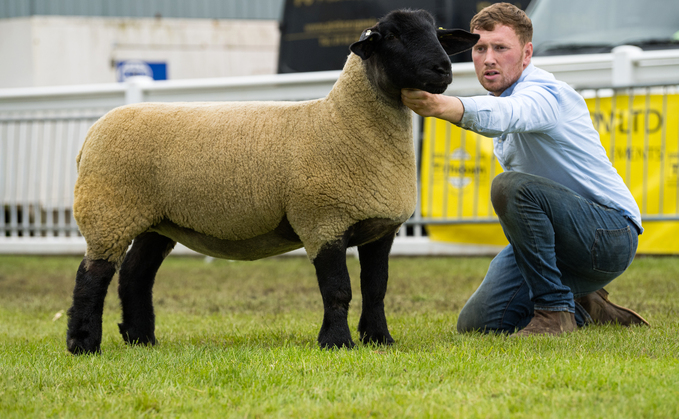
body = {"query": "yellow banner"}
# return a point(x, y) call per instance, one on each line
point(640, 134)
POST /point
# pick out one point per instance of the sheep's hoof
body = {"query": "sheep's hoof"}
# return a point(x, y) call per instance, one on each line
point(377, 339)
point(82, 346)
point(374, 330)
point(335, 334)
point(328, 345)
point(134, 337)
point(341, 338)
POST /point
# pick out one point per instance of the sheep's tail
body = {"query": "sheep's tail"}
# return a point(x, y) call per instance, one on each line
point(80, 154)
point(77, 160)
point(82, 147)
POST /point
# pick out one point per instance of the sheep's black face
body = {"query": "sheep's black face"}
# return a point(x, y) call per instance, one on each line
point(405, 50)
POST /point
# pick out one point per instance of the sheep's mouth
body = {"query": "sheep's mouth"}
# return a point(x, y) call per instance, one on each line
point(436, 89)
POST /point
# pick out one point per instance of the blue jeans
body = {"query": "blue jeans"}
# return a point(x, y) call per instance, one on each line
point(562, 246)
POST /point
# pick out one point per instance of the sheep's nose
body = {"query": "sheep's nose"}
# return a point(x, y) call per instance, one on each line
point(443, 70)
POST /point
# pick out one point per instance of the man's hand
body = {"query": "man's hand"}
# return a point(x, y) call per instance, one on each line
point(423, 103)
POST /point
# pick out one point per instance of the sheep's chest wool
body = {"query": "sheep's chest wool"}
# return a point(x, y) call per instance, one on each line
point(247, 180)
point(363, 168)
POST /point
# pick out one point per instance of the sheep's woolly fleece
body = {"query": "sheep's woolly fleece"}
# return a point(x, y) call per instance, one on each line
point(234, 170)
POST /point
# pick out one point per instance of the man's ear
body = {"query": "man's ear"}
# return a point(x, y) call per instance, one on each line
point(366, 44)
point(528, 51)
point(455, 41)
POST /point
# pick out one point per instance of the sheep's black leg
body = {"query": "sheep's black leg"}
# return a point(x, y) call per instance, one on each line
point(335, 285)
point(135, 286)
point(374, 258)
point(84, 316)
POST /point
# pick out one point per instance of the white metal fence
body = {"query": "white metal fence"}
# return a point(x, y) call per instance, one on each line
point(38, 173)
point(41, 130)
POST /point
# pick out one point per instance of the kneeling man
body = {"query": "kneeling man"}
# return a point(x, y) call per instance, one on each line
point(571, 222)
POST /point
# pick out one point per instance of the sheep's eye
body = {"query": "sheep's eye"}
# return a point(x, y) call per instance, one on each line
point(390, 36)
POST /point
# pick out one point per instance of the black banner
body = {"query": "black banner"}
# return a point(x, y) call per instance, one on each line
point(316, 34)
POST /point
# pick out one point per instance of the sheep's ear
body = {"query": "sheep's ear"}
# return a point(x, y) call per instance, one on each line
point(366, 44)
point(455, 41)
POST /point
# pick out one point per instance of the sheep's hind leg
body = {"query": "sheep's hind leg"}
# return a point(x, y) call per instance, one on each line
point(374, 258)
point(135, 286)
point(335, 285)
point(84, 316)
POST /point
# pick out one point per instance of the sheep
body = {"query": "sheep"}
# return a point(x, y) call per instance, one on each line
point(249, 180)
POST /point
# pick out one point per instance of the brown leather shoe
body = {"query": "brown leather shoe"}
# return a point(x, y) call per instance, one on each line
point(549, 323)
point(603, 311)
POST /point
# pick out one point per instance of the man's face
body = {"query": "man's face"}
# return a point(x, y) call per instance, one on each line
point(499, 58)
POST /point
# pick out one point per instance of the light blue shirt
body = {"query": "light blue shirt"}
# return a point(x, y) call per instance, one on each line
point(543, 127)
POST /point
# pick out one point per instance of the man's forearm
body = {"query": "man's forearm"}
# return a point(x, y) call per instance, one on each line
point(448, 108)
point(454, 111)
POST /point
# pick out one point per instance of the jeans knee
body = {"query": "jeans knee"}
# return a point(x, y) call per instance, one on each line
point(468, 321)
point(463, 324)
point(499, 191)
point(505, 186)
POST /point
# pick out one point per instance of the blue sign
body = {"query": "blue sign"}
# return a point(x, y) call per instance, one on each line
point(130, 68)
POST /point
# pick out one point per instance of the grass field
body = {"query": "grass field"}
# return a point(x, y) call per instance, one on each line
point(238, 339)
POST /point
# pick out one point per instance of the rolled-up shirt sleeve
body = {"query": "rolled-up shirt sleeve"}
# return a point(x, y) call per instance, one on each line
point(534, 108)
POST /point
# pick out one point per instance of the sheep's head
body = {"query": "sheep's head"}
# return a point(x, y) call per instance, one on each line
point(406, 50)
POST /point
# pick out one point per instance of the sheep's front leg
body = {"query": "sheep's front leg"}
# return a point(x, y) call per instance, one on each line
point(84, 316)
point(335, 285)
point(374, 258)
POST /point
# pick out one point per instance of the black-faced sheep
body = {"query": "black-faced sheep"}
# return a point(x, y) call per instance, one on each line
point(247, 180)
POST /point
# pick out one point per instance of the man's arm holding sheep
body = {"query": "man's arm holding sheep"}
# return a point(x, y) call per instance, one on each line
point(533, 109)
point(425, 104)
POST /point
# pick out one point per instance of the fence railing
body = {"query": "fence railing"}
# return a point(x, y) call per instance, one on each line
point(639, 127)
point(37, 160)
point(42, 129)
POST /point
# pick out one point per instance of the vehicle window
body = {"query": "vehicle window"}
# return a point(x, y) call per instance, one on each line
point(599, 25)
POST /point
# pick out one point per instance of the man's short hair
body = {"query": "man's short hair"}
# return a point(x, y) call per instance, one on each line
point(504, 14)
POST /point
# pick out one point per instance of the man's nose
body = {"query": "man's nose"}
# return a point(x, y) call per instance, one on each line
point(489, 58)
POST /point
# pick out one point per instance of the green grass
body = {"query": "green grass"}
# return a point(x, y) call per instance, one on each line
point(238, 339)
